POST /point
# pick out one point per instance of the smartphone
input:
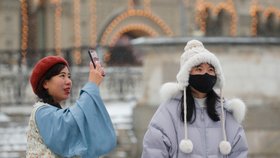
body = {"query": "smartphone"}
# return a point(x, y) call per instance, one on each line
point(94, 58)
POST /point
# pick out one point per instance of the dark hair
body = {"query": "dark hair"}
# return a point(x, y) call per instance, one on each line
point(43, 94)
point(211, 100)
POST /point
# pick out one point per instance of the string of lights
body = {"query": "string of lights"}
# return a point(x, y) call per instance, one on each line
point(77, 33)
point(141, 27)
point(202, 6)
point(254, 14)
point(271, 10)
point(256, 11)
point(134, 13)
point(57, 24)
point(24, 29)
point(201, 14)
point(93, 33)
point(109, 37)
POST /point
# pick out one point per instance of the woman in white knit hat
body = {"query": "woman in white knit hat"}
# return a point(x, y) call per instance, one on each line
point(193, 121)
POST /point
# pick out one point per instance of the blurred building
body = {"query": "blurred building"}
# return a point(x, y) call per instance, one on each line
point(42, 26)
point(149, 36)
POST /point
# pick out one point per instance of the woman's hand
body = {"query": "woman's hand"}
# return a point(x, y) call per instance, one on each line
point(96, 75)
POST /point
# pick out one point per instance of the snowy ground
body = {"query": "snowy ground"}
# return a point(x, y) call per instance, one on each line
point(13, 130)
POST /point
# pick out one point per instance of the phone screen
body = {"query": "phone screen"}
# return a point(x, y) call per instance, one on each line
point(94, 58)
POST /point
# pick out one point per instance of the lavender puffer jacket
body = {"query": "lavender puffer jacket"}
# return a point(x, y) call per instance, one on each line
point(166, 130)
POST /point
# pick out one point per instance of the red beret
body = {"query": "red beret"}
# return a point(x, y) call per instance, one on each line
point(41, 67)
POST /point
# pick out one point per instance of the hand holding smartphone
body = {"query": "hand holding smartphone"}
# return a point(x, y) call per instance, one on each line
point(94, 58)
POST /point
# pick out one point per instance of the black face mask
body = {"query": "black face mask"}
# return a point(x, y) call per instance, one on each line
point(203, 83)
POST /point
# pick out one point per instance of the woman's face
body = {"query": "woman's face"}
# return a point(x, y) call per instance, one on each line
point(202, 69)
point(59, 86)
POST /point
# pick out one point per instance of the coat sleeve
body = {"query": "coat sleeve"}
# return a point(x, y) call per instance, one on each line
point(240, 146)
point(83, 129)
point(155, 143)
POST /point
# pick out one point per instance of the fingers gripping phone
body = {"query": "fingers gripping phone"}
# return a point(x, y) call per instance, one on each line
point(94, 58)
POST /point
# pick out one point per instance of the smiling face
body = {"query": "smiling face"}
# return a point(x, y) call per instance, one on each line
point(59, 86)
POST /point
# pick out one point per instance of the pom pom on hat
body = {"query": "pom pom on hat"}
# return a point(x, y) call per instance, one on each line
point(225, 147)
point(193, 43)
point(41, 67)
point(186, 146)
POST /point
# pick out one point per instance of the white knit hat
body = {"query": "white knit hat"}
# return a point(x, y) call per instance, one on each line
point(195, 54)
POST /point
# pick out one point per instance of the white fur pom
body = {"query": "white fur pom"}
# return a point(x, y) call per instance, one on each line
point(169, 90)
point(238, 108)
point(186, 146)
point(225, 147)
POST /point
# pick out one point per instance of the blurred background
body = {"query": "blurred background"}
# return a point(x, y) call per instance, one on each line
point(139, 43)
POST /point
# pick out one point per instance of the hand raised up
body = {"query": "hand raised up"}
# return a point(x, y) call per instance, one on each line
point(96, 75)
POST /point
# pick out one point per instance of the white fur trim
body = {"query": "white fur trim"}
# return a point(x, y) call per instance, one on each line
point(186, 146)
point(238, 108)
point(225, 147)
point(169, 90)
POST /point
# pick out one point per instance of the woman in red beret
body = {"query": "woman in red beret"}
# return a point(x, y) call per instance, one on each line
point(81, 130)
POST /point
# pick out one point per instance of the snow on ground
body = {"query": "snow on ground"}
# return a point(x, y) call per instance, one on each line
point(4, 118)
point(13, 141)
point(120, 112)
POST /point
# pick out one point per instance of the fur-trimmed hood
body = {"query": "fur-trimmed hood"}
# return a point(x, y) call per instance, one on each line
point(236, 106)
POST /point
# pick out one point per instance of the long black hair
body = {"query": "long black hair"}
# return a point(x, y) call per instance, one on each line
point(211, 100)
point(43, 94)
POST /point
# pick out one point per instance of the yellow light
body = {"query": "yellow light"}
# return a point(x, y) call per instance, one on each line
point(131, 27)
point(253, 12)
point(132, 13)
point(24, 30)
point(228, 6)
point(266, 12)
point(77, 33)
point(77, 56)
point(93, 34)
point(57, 23)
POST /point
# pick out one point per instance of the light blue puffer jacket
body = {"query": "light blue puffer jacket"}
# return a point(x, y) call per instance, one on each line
point(166, 130)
